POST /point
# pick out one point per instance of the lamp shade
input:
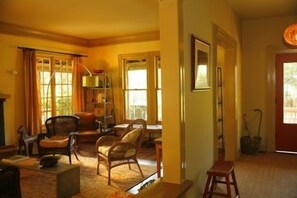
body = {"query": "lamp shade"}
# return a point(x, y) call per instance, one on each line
point(290, 35)
point(90, 81)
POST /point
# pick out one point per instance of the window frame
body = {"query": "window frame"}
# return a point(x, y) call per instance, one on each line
point(152, 84)
point(49, 89)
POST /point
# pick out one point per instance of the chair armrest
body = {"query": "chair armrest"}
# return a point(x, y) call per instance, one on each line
point(99, 125)
point(106, 140)
point(98, 121)
point(122, 147)
point(74, 133)
point(72, 137)
point(41, 136)
point(127, 145)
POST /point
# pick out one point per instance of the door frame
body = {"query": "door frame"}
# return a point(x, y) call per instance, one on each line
point(271, 93)
point(224, 40)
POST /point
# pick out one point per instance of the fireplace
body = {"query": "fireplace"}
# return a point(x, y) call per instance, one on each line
point(5, 150)
point(3, 97)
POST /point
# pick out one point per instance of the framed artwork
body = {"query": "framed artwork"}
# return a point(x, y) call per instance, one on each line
point(200, 64)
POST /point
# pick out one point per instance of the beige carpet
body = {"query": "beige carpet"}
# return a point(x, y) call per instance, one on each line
point(91, 184)
point(265, 175)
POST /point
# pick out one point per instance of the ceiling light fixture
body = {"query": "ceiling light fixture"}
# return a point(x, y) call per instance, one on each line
point(290, 35)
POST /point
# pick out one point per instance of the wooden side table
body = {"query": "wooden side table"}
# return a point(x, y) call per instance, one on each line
point(158, 143)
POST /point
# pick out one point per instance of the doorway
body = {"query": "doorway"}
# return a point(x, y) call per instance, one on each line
point(225, 138)
point(286, 102)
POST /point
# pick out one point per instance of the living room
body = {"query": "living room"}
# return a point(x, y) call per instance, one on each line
point(192, 130)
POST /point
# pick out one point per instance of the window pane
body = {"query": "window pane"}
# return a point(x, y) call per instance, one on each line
point(43, 77)
point(159, 72)
point(63, 88)
point(136, 74)
point(159, 92)
point(159, 102)
point(136, 104)
point(63, 106)
point(290, 93)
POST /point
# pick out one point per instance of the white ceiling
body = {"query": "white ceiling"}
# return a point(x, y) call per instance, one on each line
point(93, 19)
point(255, 9)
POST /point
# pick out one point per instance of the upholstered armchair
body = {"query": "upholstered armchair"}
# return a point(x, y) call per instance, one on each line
point(60, 136)
point(89, 130)
point(114, 151)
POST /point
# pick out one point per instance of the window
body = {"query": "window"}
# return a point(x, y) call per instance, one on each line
point(55, 84)
point(157, 61)
point(141, 85)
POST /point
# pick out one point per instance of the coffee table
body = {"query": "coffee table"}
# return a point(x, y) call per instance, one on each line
point(59, 181)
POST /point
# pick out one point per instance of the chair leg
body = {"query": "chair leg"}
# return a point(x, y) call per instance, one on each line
point(206, 189)
point(69, 155)
point(74, 152)
point(109, 169)
point(139, 168)
point(98, 159)
point(129, 164)
point(27, 147)
point(235, 183)
point(228, 186)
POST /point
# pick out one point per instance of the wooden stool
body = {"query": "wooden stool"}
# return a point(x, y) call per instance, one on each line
point(221, 169)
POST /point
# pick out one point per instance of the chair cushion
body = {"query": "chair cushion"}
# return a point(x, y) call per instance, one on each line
point(132, 136)
point(123, 150)
point(55, 142)
point(117, 153)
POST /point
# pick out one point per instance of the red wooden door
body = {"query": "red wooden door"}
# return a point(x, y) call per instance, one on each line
point(286, 102)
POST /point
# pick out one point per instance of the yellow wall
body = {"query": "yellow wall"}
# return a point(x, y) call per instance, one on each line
point(260, 40)
point(194, 129)
point(12, 84)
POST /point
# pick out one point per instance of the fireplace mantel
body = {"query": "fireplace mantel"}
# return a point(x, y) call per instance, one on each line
point(4, 96)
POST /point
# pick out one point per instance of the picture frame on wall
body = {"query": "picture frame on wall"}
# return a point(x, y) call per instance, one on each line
point(200, 71)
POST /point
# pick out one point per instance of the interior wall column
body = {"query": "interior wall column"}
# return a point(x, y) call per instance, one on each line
point(173, 149)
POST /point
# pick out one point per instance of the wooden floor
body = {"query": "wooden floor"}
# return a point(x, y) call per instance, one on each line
point(262, 175)
point(146, 155)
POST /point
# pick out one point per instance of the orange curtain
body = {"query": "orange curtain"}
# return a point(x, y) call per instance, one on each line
point(32, 93)
point(77, 89)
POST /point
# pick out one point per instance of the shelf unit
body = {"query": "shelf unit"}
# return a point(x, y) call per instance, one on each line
point(220, 112)
point(100, 100)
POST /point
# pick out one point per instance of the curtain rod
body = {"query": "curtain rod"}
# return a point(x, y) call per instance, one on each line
point(50, 51)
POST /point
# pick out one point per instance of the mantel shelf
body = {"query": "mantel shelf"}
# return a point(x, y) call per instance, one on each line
point(4, 96)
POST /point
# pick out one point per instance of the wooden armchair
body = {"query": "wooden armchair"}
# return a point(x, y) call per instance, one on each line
point(60, 136)
point(114, 151)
